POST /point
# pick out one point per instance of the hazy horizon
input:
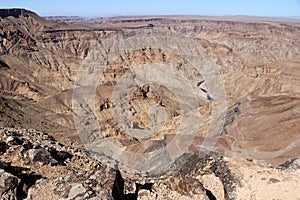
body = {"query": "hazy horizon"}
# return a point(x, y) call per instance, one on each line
point(94, 8)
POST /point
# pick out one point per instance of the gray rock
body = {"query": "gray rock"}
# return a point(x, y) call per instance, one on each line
point(77, 191)
point(296, 163)
point(8, 185)
point(40, 156)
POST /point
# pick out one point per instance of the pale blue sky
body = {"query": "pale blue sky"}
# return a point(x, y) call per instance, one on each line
point(92, 8)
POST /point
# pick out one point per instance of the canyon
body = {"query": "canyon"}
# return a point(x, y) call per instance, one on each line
point(153, 107)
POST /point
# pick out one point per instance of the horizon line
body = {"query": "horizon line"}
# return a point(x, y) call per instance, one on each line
point(149, 15)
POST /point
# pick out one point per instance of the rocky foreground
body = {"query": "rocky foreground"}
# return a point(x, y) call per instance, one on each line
point(35, 166)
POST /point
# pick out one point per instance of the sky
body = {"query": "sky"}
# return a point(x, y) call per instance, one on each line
point(105, 8)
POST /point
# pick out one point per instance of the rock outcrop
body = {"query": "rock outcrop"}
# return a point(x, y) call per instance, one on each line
point(61, 172)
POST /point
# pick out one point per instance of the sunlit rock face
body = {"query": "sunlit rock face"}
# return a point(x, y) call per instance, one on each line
point(35, 166)
point(151, 93)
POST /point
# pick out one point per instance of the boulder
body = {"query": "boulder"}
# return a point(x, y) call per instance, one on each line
point(8, 185)
point(40, 156)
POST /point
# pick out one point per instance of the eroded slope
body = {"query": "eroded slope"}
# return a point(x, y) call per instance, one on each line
point(258, 62)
